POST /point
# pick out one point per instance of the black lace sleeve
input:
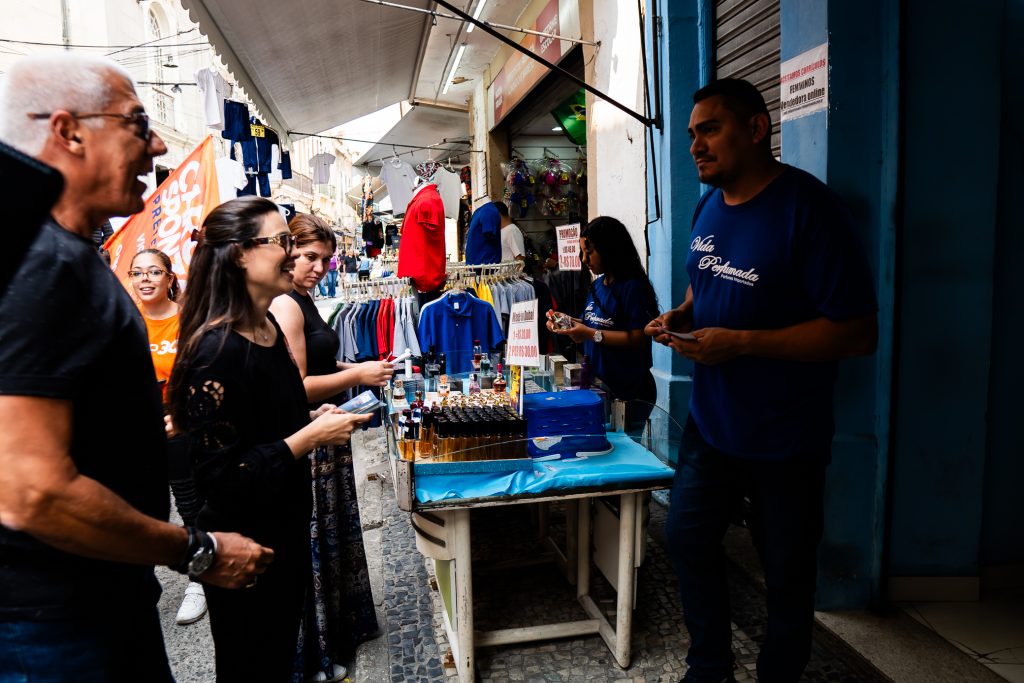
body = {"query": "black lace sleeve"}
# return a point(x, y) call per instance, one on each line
point(229, 467)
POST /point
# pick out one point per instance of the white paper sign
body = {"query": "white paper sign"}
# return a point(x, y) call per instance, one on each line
point(804, 83)
point(523, 346)
point(568, 246)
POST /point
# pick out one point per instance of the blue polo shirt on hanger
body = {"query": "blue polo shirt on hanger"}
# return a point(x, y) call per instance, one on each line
point(451, 323)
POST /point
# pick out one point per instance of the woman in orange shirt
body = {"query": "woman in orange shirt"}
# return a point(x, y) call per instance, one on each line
point(156, 289)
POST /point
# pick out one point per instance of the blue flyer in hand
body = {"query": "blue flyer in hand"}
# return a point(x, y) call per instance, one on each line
point(363, 403)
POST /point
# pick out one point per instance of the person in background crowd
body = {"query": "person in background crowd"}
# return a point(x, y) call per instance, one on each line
point(83, 494)
point(780, 291)
point(365, 264)
point(341, 576)
point(512, 245)
point(157, 289)
point(332, 275)
point(238, 396)
point(351, 266)
point(619, 305)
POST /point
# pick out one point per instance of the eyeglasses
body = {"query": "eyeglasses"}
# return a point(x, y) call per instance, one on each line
point(285, 240)
point(140, 119)
point(153, 273)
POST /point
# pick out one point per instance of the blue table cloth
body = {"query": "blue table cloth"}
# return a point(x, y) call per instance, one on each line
point(628, 463)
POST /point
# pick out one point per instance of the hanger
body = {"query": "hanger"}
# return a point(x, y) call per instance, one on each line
point(395, 161)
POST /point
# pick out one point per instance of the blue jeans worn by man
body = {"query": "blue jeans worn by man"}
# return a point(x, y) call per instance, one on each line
point(786, 524)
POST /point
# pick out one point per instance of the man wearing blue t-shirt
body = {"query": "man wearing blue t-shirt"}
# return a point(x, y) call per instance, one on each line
point(780, 291)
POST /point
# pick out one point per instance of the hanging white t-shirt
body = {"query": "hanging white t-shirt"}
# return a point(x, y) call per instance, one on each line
point(275, 161)
point(321, 166)
point(214, 90)
point(400, 179)
point(449, 186)
point(230, 177)
point(512, 243)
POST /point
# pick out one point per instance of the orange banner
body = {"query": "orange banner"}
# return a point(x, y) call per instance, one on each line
point(178, 207)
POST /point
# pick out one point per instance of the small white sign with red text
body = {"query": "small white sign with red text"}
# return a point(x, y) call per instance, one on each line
point(804, 83)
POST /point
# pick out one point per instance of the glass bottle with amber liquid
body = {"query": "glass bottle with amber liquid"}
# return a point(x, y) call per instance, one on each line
point(499, 385)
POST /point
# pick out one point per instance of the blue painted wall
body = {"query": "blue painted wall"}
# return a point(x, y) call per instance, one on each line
point(853, 147)
point(682, 72)
point(947, 253)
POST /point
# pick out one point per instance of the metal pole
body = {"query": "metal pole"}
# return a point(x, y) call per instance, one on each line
point(505, 27)
point(537, 58)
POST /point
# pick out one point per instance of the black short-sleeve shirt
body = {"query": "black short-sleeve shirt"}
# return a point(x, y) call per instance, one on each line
point(68, 330)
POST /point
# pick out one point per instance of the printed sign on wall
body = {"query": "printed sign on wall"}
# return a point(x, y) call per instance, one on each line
point(569, 246)
point(804, 83)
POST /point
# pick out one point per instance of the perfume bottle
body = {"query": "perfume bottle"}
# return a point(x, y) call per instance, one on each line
point(398, 393)
point(478, 352)
point(443, 388)
point(499, 384)
point(474, 384)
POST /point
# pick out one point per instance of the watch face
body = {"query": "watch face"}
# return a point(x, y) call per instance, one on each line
point(200, 563)
point(598, 336)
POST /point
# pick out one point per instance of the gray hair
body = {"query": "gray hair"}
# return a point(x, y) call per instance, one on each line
point(48, 82)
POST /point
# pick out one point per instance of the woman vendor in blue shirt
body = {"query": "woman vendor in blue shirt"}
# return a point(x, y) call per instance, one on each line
point(620, 303)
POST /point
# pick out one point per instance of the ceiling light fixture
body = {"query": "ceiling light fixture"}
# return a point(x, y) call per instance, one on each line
point(476, 15)
point(455, 67)
point(557, 129)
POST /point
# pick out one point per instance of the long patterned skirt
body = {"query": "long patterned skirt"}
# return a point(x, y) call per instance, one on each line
point(340, 610)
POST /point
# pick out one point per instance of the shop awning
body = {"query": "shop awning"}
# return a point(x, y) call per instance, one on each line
point(354, 195)
point(446, 131)
point(308, 66)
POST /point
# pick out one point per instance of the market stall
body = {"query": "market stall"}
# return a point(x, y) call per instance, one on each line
point(446, 463)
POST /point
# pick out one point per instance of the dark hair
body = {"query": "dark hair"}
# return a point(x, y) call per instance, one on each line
point(619, 257)
point(741, 98)
point(173, 287)
point(308, 228)
point(217, 296)
point(502, 208)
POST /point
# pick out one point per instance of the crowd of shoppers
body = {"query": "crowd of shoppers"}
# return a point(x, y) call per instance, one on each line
point(227, 393)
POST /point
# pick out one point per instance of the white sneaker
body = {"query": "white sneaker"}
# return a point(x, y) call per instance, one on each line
point(337, 673)
point(193, 605)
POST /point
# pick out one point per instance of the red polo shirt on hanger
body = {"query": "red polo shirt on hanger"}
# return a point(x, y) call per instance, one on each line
point(421, 253)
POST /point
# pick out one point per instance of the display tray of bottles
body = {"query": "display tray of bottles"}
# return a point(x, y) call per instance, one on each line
point(462, 439)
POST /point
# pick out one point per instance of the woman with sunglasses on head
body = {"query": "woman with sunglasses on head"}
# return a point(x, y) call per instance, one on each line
point(342, 596)
point(238, 396)
point(619, 305)
point(157, 290)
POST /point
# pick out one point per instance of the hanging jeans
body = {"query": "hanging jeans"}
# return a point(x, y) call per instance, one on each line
point(787, 506)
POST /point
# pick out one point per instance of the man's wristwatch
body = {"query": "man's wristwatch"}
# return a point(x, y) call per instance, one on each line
point(598, 336)
point(201, 552)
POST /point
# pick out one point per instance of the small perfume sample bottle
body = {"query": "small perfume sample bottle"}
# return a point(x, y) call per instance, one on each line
point(474, 384)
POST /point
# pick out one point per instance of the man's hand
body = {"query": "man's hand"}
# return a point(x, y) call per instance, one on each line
point(169, 427)
point(713, 345)
point(677, 320)
point(238, 562)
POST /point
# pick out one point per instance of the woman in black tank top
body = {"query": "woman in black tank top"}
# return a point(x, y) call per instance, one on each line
point(344, 609)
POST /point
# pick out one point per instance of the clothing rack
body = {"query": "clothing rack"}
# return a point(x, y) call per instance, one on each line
point(384, 287)
point(460, 275)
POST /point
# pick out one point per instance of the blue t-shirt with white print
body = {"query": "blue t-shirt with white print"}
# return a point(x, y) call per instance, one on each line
point(621, 306)
point(786, 256)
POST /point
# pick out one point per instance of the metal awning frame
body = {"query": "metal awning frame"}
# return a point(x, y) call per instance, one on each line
point(647, 121)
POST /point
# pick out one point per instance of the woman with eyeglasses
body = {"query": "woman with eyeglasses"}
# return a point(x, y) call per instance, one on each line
point(157, 290)
point(341, 577)
point(238, 396)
